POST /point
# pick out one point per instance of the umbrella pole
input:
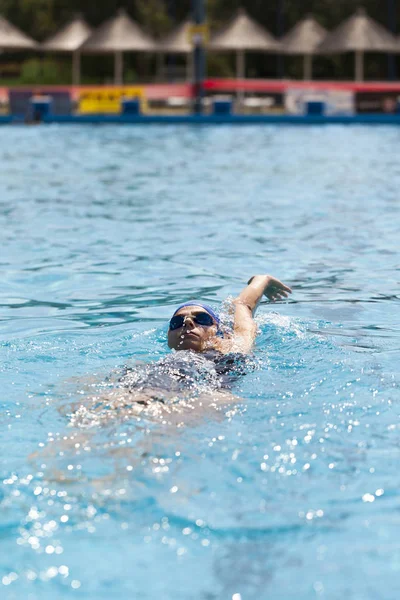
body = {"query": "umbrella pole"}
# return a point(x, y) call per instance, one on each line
point(76, 67)
point(118, 68)
point(189, 67)
point(359, 65)
point(199, 55)
point(307, 71)
point(240, 73)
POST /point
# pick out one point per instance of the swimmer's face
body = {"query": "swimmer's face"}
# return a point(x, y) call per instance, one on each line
point(192, 336)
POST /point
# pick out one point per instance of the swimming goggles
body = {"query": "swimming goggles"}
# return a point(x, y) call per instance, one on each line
point(201, 318)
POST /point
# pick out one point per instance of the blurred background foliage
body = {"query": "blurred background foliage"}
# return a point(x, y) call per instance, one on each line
point(41, 18)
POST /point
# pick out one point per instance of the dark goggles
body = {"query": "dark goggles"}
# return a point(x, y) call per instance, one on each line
point(201, 318)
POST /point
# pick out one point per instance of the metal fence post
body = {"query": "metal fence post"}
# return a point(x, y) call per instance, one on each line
point(199, 59)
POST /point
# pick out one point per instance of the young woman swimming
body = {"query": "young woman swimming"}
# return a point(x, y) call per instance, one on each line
point(209, 358)
point(195, 326)
point(194, 381)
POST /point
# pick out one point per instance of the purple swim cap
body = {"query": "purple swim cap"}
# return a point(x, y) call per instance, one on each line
point(206, 307)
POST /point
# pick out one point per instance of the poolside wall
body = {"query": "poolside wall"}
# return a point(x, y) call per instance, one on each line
point(265, 100)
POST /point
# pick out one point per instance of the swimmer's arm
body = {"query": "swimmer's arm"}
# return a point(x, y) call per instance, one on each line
point(245, 329)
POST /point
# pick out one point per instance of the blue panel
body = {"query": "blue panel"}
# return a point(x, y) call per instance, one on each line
point(315, 108)
point(130, 107)
point(40, 108)
point(222, 107)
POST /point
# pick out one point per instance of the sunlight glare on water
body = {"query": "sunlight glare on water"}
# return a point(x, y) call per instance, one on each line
point(287, 492)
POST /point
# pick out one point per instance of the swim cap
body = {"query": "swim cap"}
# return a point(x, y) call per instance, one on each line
point(206, 307)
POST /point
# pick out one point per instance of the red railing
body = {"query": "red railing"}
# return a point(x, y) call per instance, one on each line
point(159, 91)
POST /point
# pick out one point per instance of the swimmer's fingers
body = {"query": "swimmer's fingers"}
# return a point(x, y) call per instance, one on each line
point(274, 283)
point(276, 297)
point(281, 287)
point(284, 293)
point(276, 290)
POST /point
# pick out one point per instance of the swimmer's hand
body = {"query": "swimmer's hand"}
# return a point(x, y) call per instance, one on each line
point(244, 327)
point(273, 288)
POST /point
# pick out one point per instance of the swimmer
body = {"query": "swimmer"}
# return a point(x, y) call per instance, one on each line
point(193, 382)
point(207, 360)
point(195, 326)
point(208, 356)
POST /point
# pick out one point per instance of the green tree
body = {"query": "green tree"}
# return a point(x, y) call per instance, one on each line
point(41, 18)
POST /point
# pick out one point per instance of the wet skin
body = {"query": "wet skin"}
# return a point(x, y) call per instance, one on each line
point(192, 336)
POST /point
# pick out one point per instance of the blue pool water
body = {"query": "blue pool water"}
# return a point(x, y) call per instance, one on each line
point(292, 492)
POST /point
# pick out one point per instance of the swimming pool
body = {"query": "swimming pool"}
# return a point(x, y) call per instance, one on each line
point(293, 493)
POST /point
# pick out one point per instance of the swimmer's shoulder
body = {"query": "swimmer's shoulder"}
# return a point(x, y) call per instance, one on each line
point(231, 345)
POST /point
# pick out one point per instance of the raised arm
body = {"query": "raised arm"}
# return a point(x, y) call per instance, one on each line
point(246, 303)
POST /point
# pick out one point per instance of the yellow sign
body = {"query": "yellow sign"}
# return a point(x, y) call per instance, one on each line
point(108, 100)
point(198, 34)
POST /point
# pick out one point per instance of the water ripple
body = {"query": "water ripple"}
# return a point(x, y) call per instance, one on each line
point(104, 231)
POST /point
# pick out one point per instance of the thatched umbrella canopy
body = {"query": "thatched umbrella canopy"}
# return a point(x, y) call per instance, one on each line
point(117, 35)
point(11, 38)
point(69, 39)
point(358, 34)
point(240, 35)
point(178, 42)
point(303, 39)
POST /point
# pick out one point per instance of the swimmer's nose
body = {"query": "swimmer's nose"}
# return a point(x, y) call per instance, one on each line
point(188, 323)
